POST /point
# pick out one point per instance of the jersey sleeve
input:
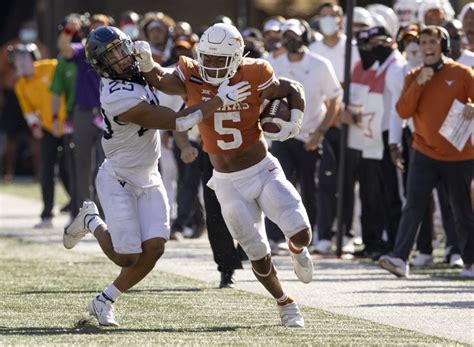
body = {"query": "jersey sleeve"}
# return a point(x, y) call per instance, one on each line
point(57, 84)
point(183, 68)
point(266, 77)
point(25, 104)
point(117, 97)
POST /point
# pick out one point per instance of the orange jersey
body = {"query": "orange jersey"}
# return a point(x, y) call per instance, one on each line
point(231, 128)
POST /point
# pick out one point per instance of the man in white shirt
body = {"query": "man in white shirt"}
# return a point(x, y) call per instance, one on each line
point(298, 156)
point(333, 44)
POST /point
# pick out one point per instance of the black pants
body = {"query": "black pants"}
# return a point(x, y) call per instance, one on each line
point(299, 166)
point(51, 152)
point(380, 199)
point(327, 185)
point(225, 252)
point(426, 230)
point(424, 175)
point(190, 211)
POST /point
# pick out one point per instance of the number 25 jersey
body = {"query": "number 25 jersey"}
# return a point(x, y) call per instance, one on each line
point(235, 127)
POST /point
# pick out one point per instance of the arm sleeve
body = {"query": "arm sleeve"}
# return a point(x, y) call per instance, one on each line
point(25, 104)
point(394, 83)
point(408, 101)
point(267, 76)
point(181, 70)
point(78, 52)
point(57, 84)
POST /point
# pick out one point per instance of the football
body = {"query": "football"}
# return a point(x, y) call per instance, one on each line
point(277, 108)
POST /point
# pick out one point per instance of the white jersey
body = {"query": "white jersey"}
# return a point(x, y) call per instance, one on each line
point(131, 151)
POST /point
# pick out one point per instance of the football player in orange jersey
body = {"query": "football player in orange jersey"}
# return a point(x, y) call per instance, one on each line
point(247, 179)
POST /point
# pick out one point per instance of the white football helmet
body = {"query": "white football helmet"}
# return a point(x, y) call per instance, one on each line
point(221, 40)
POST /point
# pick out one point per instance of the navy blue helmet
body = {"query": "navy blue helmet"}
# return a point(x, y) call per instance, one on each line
point(110, 52)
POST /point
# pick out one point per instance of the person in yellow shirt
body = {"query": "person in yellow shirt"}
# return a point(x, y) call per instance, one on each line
point(34, 97)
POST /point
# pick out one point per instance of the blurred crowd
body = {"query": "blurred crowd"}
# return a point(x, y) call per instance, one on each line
point(50, 114)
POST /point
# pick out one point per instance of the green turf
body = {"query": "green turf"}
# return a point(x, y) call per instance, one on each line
point(44, 289)
point(32, 190)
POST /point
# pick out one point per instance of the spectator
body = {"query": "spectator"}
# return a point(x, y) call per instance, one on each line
point(158, 29)
point(434, 159)
point(32, 90)
point(376, 89)
point(129, 24)
point(253, 41)
point(466, 16)
point(11, 118)
point(272, 37)
point(333, 44)
point(456, 36)
point(87, 121)
point(407, 11)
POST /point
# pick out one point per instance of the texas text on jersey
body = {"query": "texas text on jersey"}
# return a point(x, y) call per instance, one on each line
point(232, 128)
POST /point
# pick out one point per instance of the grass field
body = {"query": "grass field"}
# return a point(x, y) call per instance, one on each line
point(33, 190)
point(45, 288)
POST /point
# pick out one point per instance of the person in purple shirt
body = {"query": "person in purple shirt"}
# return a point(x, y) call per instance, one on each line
point(87, 120)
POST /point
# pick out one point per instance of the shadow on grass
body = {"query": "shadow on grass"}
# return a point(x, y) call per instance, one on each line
point(132, 291)
point(92, 329)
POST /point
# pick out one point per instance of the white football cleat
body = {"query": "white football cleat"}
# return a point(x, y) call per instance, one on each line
point(103, 310)
point(78, 228)
point(394, 265)
point(291, 316)
point(303, 265)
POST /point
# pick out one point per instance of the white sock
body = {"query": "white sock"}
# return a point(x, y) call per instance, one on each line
point(111, 292)
point(93, 222)
point(284, 298)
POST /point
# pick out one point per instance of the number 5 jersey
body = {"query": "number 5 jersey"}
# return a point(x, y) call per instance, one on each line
point(234, 127)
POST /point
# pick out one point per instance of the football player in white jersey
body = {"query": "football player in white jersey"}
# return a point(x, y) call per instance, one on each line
point(129, 185)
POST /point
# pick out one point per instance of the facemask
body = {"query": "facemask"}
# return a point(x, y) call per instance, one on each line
point(413, 54)
point(273, 44)
point(328, 25)
point(28, 35)
point(381, 53)
point(367, 59)
point(131, 30)
point(293, 45)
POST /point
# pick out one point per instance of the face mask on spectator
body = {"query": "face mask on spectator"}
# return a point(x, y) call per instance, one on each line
point(131, 30)
point(413, 54)
point(367, 58)
point(28, 35)
point(293, 45)
point(273, 44)
point(381, 53)
point(328, 25)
